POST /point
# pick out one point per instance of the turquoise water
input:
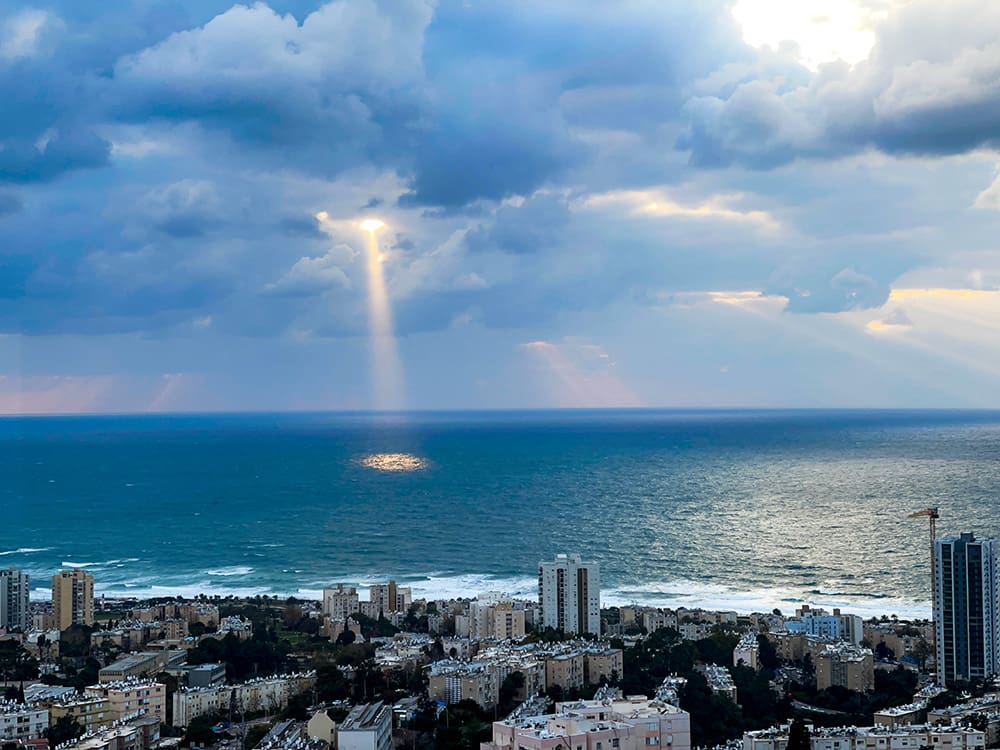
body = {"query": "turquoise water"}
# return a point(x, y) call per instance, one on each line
point(748, 509)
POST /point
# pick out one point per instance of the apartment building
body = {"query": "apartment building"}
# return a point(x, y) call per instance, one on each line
point(845, 665)
point(89, 711)
point(19, 722)
point(367, 727)
point(340, 602)
point(657, 724)
point(569, 595)
point(132, 699)
point(912, 737)
point(14, 612)
point(73, 598)
point(266, 694)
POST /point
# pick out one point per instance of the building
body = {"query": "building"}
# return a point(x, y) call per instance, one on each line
point(384, 598)
point(568, 730)
point(747, 651)
point(656, 723)
point(73, 598)
point(453, 682)
point(899, 716)
point(269, 694)
point(205, 675)
point(719, 680)
point(340, 602)
point(603, 665)
point(19, 721)
point(565, 670)
point(569, 595)
point(291, 735)
point(506, 622)
point(14, 611)
point(965, 608)
point(846, 665)
point(142, 664)
point(912, 737)
point(89, 711)
point(367, 727)
point(132, 699)
point(140, 734)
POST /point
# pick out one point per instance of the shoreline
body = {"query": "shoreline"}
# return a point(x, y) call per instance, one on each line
point(666, 595)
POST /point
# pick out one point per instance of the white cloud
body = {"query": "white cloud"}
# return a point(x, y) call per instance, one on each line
point(21, 33)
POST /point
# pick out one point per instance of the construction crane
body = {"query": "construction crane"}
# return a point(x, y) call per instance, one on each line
point(932, 516)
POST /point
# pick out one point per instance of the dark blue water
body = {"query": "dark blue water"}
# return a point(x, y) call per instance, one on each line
point(751, 509)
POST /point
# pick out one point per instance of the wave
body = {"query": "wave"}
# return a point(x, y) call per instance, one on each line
point(118, 563)
point(24, 551)
point(235, 570)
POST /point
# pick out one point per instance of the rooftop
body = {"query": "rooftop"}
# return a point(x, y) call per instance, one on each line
point(363, 717)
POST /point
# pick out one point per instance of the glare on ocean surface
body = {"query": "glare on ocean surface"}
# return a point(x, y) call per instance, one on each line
point(394, 462)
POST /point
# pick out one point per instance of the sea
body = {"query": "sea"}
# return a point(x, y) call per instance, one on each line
point(744, 510)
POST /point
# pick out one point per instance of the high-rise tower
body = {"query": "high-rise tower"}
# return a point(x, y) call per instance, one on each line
point(965, 608)
point(569, 594)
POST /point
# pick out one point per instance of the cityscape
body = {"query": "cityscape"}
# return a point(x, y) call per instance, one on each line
point(559, 671)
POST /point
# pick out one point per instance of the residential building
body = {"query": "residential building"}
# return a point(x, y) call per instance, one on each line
point(564, 670)
point(269, 694)
point(137, 665)
point(899, 716)
point(566, 730)
point(73, 598)
point(912, 737)
point(569, 595)
point(384, 598)
point(367, 727)
point(139, 734)
point(19, 721)
point(291, 735)
point(506, 622)
point(322, 727)
point(340, 602)
point(14, 612)
point(132, 699)
point(89, 711)
point(747, 651)
point(657, 724)
point(846, 665)
point(719, 680)
point(965, 608)
point(453, 682)
point(601, 665)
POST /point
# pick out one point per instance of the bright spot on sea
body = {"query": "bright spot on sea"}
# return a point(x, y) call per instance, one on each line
point(394, 462)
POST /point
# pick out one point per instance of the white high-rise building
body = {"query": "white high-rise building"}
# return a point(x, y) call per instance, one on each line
point(14, 599)
point(341, 602)
point(966, 608)
point(569, 595)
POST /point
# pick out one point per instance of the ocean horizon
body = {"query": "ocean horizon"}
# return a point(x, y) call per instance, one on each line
point(745, 509)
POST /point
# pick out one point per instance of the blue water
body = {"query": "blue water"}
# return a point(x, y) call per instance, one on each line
point(745, 508)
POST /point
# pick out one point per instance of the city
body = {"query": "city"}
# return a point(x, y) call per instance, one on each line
point(561, 671)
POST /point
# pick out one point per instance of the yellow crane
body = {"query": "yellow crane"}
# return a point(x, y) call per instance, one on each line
point(932, 516)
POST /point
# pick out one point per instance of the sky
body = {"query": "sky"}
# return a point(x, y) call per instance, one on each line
point(711, 203)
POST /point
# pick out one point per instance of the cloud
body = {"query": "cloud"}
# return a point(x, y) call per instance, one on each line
point(896, 319)
point(21, 32)
point(186, 208)
point(929, 86)
point(531, 226)
point(9, 204)
point(311, 276)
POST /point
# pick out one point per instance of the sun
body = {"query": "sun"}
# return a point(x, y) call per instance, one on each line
point(372, 225)
point(823, 30)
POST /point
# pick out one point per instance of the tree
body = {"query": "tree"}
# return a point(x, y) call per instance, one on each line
point(798, 736)
point(768, 656)
point(66, 729)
